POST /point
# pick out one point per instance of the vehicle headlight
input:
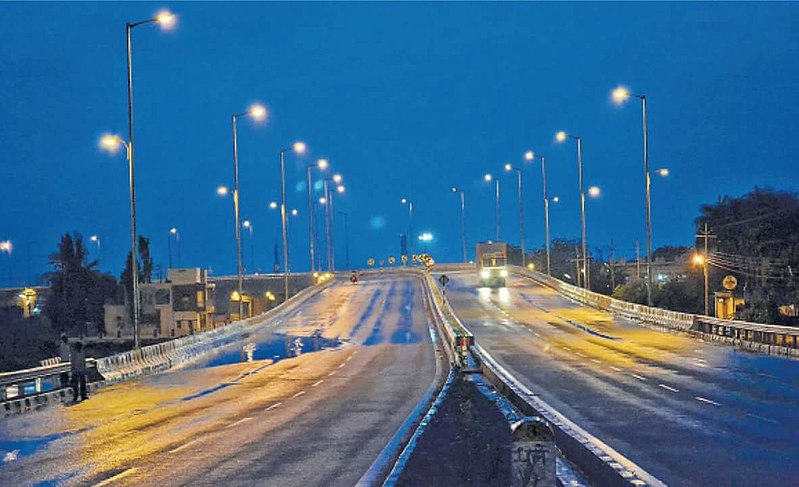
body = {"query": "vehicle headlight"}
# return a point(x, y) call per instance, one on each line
point(484, 274)
point(503, 273)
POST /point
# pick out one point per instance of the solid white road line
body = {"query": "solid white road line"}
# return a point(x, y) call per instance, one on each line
point(699, 398)
point(183, 446)
point(668, 388)
point(317, 383)
point(273, 406)
point(120, 475)
point(298, 394)
point(638, 377)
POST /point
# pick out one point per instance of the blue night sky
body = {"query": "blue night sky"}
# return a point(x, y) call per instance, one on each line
point(404, 99)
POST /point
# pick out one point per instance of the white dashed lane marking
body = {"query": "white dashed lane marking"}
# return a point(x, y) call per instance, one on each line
point(638, 377)
point(298, 394)
point(243, 420)
point(273, 406)
point(668, 388)
point(699, 398)
point(317, 383)
point(183, 446)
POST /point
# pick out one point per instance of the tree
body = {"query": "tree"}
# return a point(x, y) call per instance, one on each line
point(756, 240)
point(145, 267)
point(78, 290)
point(633, 291)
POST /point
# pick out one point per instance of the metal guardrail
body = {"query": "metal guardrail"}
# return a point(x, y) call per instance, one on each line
point(759, 337)
point(22, 387)
point(29, 382)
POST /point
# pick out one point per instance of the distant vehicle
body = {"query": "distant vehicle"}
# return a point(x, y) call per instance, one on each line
point(354, 277)
point(492, 263)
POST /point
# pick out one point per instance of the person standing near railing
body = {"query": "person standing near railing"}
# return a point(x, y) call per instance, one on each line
point(64, 354)
point(78, 367)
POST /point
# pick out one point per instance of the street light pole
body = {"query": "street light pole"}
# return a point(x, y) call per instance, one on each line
point(258, 113)
point(530, 156)
point(166, 20)
point(463, 221)
point(648, 181)
point(237, 216)
point(134, 260)
point(321, 164)
point(509, 167)
point(410, 222)
point(498, 216)
point(562, 136)
point(621, 95)
point(284, 224)
point(327, 225)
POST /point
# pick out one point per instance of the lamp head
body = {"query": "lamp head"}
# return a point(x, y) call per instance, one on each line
point(488, 178)
point(337, 178)
point(620, 95)
point(257, 112)
point(529, 155)
point(561, 136)
point(299, 147)
point(272, 205)
point(322, 164)
point(166, 19)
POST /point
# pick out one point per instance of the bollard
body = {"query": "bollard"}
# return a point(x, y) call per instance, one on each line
point(533, 454)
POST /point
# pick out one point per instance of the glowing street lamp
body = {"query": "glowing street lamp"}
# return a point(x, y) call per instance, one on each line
point(620, 95)
point(531, 156)
point(297, 148)
point(340, 189)
point(321, 164)
point(6, 246)
point(561, 137)
point(662, 172)
point(273, 205)
point(463, 221)
point(488, 178)
point(702, 261)
point(258, 113)
point(222, 190)
point(594, 191)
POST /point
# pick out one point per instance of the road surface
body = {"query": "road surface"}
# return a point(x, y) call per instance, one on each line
point(317, 419)
point(689, 412)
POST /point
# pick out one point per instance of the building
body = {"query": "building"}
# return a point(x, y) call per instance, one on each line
point(182, 305)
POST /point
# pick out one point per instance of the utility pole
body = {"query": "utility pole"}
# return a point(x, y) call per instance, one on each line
point(579, 279)
point(705, 235)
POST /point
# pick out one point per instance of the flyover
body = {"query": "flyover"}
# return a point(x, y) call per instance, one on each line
point(689, 412)
point(320, 418)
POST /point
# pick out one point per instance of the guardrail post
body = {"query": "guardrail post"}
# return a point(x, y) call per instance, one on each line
point(533, 454)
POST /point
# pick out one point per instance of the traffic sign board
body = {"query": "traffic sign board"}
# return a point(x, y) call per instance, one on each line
point(370, 262)
point(444, 280)
point(391, 260)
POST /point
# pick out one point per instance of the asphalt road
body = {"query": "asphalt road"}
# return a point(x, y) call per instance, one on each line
point(689, 412)
point(317, 419)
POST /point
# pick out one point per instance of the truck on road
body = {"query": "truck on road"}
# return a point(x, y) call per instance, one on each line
point(492, 263)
